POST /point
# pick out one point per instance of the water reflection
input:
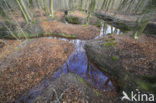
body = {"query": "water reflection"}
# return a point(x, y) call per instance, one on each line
point(78, 64)
point(108, 29)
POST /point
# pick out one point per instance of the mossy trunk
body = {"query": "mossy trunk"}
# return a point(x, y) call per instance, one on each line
point(81, 5)
point(146, 16)
point(45, 7)
point(91, 10)
point(51, 8)
point(23, 11)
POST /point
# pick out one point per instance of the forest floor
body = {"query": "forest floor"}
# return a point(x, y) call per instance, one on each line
point(26, 66)
point(78, 14)
point(30, 61)
point(7, 46)
point(78, 31)
point(138, 56)
point(46, 26)
point(141, 53)
point(25, 63)
point(130, 62)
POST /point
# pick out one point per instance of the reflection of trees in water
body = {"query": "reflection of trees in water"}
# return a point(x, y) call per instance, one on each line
point(106, 83)
point(92, 74)
point(109, 29)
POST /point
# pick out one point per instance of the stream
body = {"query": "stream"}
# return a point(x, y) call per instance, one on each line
point(78, 64)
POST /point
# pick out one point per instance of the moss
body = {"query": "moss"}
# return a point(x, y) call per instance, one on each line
point(17, 48)
point(147, 83)
point(115, 58)
point(84, 25)
point(22, 36)
point(80, 79)
point(103, 69)
point(98, 93)
point(149, 78)
point(125, 31)
point(142, 84)
point(97, 25)
point(33, 21)
point(70, 36)
point(123, 27)
point(109, 43)
point(72, 20)
point(28, 35)
point(111, 39)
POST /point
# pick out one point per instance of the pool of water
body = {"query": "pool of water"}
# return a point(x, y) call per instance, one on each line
point(78, 64)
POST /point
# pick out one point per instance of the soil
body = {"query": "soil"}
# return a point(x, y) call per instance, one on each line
point(29, 64)
point(80, 31)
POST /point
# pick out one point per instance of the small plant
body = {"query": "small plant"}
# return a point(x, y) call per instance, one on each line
point(115, 58)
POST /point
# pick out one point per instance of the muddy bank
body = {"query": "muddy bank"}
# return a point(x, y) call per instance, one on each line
point(70, 30)
point(126, 22)
point(128, 61)
point(32, 61)
point(70, 88)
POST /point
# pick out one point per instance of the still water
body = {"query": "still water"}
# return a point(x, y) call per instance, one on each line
point(78, 64)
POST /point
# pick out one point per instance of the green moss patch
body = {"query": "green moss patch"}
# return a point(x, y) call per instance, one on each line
point(115, 58)
point(111, 44)
point(72, 20)
point(70, 36)
point(80, 79)
point(147, 83)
